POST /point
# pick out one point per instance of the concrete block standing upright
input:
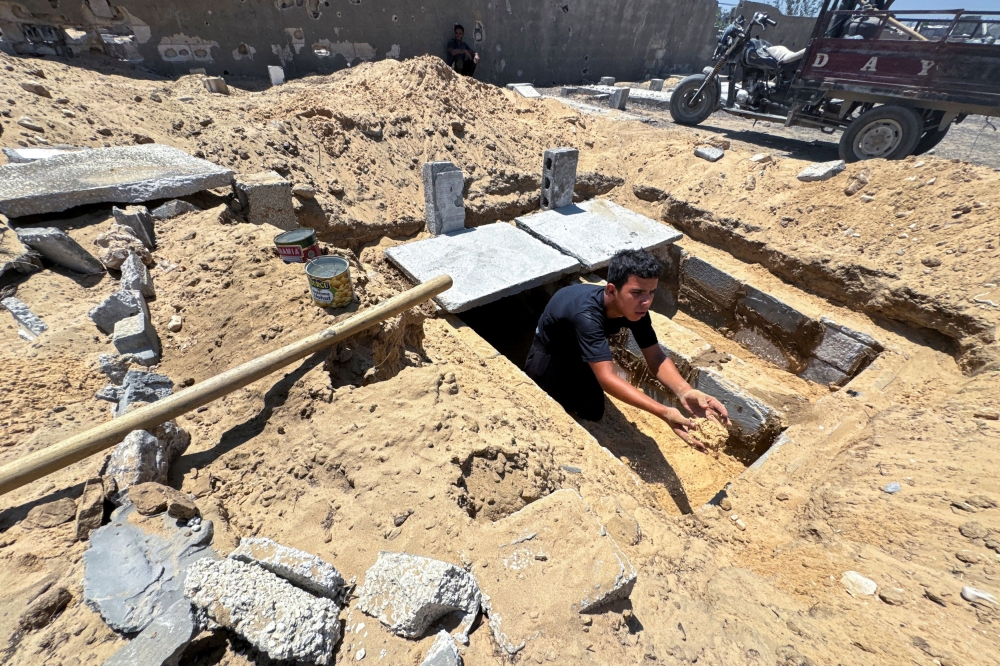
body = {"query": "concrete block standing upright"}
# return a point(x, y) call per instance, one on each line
point(277, 75)
point(444, 208)
point(266, 197)
point(618, 99)
point(558, 177)
point(216, 84)
point(656, 85)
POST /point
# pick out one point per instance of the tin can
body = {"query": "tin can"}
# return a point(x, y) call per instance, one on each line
point(330, 282)
point(298, 246)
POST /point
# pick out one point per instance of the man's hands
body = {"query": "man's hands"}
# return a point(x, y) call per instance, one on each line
point(679, 424)
point(703, 405)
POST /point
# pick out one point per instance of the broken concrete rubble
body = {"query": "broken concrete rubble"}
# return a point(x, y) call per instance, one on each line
point(138, 220)
point(558, 177)
point(444, 209)
point(274, 616)
point(172, 209)
point(619, 99)
point(59, 248)
point(15, 255)
point(216, 84)
point(821, 171)
point(24, 316)
point(266, 198)
point(117, 306)
point(136, 277)
point(408, 592)
point(136, 386)
point(298, 567)
point(118, 242)
point(135, 335)
point(163, 640)
point(127, 174)
point(443, 652)
point(135, 566)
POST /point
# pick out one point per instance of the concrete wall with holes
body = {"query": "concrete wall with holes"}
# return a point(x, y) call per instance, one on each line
point(544, 42)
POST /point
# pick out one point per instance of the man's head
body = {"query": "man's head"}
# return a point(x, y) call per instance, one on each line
point(459, 32)
point(632, 279)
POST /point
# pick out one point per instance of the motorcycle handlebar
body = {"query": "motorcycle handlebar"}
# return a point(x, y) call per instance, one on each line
point(770, 21)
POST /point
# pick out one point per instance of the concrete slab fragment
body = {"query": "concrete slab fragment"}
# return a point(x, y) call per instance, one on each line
point(524, 89)
point(136, 335)
point(821, 171)
point(266, 197)
point(162, 642)
point(59, 248)
point(136, 277)
point(607, 80)
point(443, 652)
point(619, 98)
point(173, 208)
point(297, 567)
point(444, 208)
point(486, 264)
point(593, 231)
point(127, 174)
point(747, 414)
point(709, 153)
point(25, 155)
point(138, 219)
point(15, 255)
point(116, 307)
point(24, 316)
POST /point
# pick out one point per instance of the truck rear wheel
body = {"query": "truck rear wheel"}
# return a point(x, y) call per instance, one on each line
point(685, 109)
point(889, 132)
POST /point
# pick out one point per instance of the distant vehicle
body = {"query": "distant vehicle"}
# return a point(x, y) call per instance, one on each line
point(893, 82)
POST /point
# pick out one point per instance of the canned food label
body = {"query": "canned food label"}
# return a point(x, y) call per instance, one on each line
point(297, 253)
point(321, 291)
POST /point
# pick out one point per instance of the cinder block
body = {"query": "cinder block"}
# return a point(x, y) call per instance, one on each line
point(56, 246)
point(656, 85)
point(138, 219)
point(116, 307)
point(136, 335)
point(266, 198)
point(444, 208)
point(618, 99)
point(558, 177)
point(773, 311)
point(607, 80)
point(276, 74)
point(135, 276)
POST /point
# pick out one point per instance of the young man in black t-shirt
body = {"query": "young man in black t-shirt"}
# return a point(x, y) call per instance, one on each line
point(571, 359)
point(460, 55)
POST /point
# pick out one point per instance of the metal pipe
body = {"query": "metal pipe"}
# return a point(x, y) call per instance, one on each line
point(36, 465)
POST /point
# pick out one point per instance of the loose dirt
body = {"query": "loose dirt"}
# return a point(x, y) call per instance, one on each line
point(418, 436)
point(710, 433)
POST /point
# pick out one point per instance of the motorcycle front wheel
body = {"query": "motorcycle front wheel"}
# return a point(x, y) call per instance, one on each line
point(685, 109)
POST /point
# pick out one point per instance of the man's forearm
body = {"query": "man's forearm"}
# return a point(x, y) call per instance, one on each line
point(618, 388)
point(670, 376)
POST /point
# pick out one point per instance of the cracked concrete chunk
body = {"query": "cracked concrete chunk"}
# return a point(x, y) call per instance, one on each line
point(24, 316)
point(443, 652)
point(117, 306)
point(127, 174)
point(59, 248)
point(163, 640)
point(136, 386)
point(138, 220)
point(274, 616)
point(266, 198)
point(134, 568)
point(821, 171)
point(136, 277)
point(408, 592)
point(136, 335)
point(547, 563)
point(298, 567)
point(173, 208)
point(709, 153)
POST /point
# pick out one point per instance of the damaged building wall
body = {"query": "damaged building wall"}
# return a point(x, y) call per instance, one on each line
point(570, 41)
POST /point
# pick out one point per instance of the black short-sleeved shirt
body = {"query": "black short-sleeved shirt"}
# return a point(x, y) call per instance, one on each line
point(575, 326)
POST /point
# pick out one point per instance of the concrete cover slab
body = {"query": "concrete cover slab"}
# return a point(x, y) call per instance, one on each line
point(593, 231)
point(126, 174)
point(486, 264)
point(25, 155)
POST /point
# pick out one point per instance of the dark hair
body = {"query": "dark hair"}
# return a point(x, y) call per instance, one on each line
point(458, 26)
point(639, 263)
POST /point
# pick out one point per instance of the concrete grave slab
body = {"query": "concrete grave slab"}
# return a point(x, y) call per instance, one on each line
point(59, 248)
point(773, 311)
point(593, 231)
point(619, 98)
point(656, 85)
point(486, 264)
point(126, 174)
point(547, 564)
point(25, 155)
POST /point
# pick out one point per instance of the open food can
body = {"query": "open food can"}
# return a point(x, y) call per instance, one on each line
point(298, 246)
point(330, 282)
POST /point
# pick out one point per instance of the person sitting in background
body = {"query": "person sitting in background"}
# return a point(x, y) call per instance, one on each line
point(460, 55)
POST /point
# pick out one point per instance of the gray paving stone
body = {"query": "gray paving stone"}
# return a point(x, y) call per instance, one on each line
point(163, 640)
point(619, 98)
point(266, 198)
point(24, 316)
point(486, 264)
point(138, 219)
point(773, 311)
point(136, 335)
point(134, 571)
point(558, 177)
point(444, 208)
point(25, 155)
point(127, 174)
point(593, 231)
point(821, 171)
point(709, 153)
point(302, 569)
point(408, 592)
point(116, 307)
point(173, 208)
point(842, 351)
point(136, 277)
point(277, 618)
point(443, 652)
point(823, 373)
point(720, 287)
point(656, 85)
point(59, 248)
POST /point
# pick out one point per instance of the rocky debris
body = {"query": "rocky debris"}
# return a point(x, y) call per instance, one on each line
point(43, 609)
point(144, 456)
point(119, 305)
point(857, 585)
point(891, 596)
point(59, 248)
point(117, 243)
point(271, 614)
point(163, 640)
point(151, 498)
point(761, 158)
point(172, 209)
point(136, 386)
point(27, 123)
point(710, 153)
point(175, 324)
point(125, 174)
point(857, 182)
point(821, 171)
point(135, 566)
point(982, 502)
point(24, 316)
point(15, 254)
point(408, 592)
point(443, 652)
point(298, 567)
point(138, 220)
point(892, 488)
point(35, 88)
point(973, 530)
point(974, 596)
point(135, 335)
point(304, 191)
point(90, 509)
point(545, 565)
point(51, 514)
point(135, 276)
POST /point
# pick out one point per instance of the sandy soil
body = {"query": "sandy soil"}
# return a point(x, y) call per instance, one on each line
point(412, 419)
